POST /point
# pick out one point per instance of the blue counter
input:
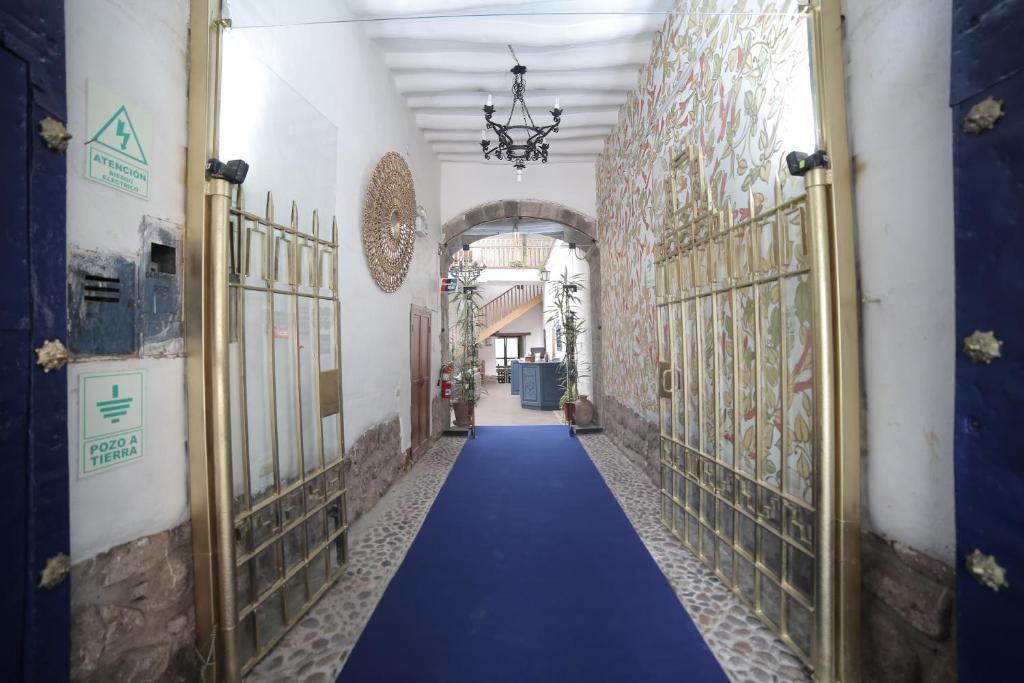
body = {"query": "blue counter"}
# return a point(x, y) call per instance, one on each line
point(540, 385)
point(516, 376)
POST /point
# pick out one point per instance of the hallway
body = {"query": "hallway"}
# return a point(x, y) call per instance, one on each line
point(320, 645)
point(498, 406)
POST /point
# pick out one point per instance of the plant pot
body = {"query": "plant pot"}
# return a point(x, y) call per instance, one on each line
point(584, 412)
point(569, 410)
point(463, 413)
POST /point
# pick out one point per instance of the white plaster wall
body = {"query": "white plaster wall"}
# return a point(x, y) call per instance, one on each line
point(339, 72)
point(898, 72)
point(149, 495)
point(464, 186)
point(531, 322)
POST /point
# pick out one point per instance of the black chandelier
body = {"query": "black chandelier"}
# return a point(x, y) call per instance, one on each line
point(517, 142)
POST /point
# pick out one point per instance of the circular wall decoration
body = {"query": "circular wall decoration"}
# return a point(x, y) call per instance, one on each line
point(389, 221)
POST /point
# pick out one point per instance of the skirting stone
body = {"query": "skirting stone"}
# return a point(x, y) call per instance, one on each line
point(372, 465)
point(635, 435)
point(132, 615)
point(907, 604)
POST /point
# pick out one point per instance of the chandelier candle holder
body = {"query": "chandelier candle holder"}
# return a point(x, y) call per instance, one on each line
point(517, 142)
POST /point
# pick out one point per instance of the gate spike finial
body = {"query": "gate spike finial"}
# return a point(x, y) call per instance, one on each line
point(295, 215)
point(270, 207)
point(334, 230)
point(316, 223)
point(240, 198)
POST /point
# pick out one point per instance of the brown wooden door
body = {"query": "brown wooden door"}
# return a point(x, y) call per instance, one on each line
point(419, 354)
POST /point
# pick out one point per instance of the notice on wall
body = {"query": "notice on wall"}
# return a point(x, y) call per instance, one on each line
point(110, 425)
point(119, 142)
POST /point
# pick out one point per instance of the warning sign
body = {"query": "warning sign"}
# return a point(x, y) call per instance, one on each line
point(120, 135)
point(110, 424)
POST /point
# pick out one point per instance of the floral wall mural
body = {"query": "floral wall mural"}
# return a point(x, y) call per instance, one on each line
point(733, 79)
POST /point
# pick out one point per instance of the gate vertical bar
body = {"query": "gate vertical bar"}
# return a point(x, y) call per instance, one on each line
point(219, 316)
point(827, 58)
point(817, 182)
point(203, 86)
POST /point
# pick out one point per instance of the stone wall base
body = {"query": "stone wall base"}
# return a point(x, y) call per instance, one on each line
point(907, 614)
point(132, 615)
point(440, 415)
point(634, 434)
point(372, 465)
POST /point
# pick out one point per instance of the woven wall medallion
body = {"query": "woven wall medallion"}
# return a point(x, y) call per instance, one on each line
point(389, 221)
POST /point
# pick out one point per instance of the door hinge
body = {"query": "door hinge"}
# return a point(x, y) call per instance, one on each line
point(52, 355)
point(56, 570)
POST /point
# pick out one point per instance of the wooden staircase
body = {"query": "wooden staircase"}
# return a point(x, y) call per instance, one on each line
point(509, 305)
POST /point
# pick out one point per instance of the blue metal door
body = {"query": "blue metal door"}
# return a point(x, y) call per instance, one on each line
point(987, 95)
point(33, 413)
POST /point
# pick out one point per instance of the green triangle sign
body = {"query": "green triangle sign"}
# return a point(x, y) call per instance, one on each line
point(118, 134)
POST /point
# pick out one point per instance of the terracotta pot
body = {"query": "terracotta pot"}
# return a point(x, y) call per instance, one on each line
point(569, 410)
point(584, 411)
point(463, 413)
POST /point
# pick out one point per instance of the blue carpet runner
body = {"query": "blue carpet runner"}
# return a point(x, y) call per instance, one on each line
point(526, 570)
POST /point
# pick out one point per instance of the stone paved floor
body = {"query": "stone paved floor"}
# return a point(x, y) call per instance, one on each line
point(316, 649)
point(746, 648)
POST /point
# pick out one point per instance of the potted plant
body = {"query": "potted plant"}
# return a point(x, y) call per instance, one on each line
point(467, 347)
point(565, 315)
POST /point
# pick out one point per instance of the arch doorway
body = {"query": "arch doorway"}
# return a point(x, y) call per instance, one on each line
point(574, 232)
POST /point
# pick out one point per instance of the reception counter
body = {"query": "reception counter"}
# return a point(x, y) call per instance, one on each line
point(540, 385)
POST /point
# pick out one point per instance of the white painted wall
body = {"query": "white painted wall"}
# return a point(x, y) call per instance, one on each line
point(531, 322)
point(149, 495)
point(900, 122)
point(464, 186)
point(354, 91)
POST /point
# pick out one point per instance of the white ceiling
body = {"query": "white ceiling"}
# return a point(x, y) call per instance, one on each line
point(447, 55)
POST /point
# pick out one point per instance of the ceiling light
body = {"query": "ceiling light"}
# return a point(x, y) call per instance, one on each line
point(518, 142)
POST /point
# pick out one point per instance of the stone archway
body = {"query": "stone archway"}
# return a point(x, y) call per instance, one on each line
point(511, 208)
point(541, 210)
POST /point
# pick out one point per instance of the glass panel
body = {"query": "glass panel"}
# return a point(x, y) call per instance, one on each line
point(295, 595)
point(770, 410)
point(800, 624)
point(800, 570)
point(247, 638)
point(708, 379)
point(747, 379)
point(258, 397)
point(308, 399)
point(269, 620)
point(235, 404)
point(799, 403)
point(726, 395)
point(771, 552)
point(329, 361)
point(286, 389)
point(679, 406)
point(771, 598)
point(266, 568)
point(745, 578)
point(293, 548)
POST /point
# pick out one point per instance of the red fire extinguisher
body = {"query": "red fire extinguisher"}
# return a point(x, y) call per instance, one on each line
point(446, 382)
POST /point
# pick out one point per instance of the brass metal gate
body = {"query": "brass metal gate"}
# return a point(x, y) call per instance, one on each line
point(736, 390)
point(284, 487)
point(758, 387)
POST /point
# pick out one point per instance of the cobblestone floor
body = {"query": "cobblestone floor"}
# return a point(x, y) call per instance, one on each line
point(316, 649)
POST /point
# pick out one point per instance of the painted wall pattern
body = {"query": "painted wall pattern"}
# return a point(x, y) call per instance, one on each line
point(736, 84)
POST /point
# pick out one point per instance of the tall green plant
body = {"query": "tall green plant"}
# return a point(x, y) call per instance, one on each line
point(565, 312)
point(468, 318)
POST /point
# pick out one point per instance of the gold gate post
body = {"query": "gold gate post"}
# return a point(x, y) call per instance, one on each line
point(843, 366)
point(219, 316)
point(205, 27)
